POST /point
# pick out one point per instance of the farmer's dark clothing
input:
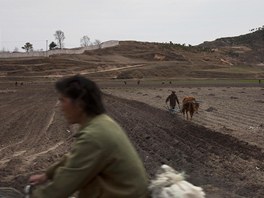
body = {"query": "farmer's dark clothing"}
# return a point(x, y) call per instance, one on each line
point(173, 99)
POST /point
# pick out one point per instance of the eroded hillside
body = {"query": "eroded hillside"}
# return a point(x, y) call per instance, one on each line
point(131, 59)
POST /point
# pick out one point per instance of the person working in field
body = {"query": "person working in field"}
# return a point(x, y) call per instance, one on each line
point(172, 98)
point(102, 163)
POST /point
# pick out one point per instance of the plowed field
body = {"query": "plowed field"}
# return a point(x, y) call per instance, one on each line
point(220, 150)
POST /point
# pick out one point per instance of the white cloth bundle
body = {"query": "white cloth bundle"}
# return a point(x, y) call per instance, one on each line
point(171, 184)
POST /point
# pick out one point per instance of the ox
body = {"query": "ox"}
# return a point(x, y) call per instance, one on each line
point(188, 99)
point(189, 105)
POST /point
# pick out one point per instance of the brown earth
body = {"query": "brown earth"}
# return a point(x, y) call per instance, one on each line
point(226, 163)
point(220, 150)
point(136, 60)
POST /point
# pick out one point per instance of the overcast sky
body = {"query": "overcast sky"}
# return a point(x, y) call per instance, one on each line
point(180, 21)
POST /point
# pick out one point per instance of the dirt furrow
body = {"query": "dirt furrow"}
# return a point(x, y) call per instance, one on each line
point(223, 164)
point(245, 116)
point(221, 160)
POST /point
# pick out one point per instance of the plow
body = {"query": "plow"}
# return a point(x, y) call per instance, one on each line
point(172, 111)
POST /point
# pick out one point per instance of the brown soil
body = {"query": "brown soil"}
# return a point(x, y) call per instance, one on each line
point(226, 163)
point(135, 60)
point(237, 111)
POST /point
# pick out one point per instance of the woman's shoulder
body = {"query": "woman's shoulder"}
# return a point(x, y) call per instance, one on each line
point(102, 127)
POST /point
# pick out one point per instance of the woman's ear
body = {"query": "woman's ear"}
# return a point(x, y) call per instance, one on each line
point(80, 105)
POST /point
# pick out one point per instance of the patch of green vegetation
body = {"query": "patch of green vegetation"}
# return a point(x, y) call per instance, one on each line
point(238, 69)
point(202, 81)
point(184, 47)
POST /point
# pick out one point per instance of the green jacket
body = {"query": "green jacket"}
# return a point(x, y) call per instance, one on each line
point(102, 164)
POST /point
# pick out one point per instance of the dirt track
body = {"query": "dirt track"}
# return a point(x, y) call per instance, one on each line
point(34, 135)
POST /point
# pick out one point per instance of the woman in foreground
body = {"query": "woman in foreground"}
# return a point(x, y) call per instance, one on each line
point(102, 163)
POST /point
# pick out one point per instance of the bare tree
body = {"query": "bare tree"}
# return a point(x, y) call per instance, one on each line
point(98, 43)
point(28, 47)
point(59, 36)
point(85, 41)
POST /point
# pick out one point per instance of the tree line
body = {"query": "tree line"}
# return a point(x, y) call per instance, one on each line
point(59, 36)
point(257, 29)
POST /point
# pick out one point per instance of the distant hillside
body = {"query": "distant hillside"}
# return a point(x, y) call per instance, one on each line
point(136, 60)
point(248, 48)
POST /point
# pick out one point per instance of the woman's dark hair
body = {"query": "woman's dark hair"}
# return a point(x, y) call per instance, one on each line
point(83, 89)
